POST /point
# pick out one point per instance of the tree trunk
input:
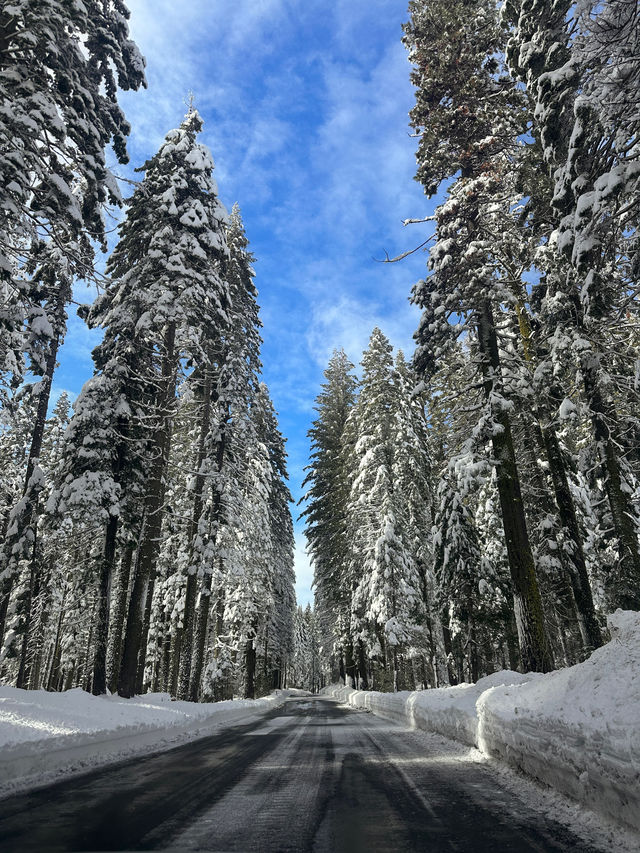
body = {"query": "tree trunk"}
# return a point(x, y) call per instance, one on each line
point(534, 644)
point(250, 670)
point(196, 513)
point(115, 638)
point(99, 681)
point(362, 666)
point(350, 666)
point(154, 510)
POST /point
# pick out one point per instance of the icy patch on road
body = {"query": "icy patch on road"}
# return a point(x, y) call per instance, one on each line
point(576, 730)
point(44, 736)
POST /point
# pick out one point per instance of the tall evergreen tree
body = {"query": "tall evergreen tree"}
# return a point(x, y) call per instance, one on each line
point(58, 112)
point(325, 515)
point(468, 116)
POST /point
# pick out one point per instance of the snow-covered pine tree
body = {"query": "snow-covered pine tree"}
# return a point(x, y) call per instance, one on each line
point(166, 297)
point(325, 515)
point(278, 628)
point(305, 667)
point(230, 389)
point(457, 569)
point(386, 605)
point(60, 68)
point(579, 64)
point(468, 115)
point(412, 478)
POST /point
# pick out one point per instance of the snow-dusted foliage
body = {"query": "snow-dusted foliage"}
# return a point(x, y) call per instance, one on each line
point(61, 65)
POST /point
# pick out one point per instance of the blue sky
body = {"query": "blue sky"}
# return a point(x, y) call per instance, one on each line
point(305, 107)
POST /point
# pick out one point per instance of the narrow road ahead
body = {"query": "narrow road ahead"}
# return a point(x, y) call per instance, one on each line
point(309, 776)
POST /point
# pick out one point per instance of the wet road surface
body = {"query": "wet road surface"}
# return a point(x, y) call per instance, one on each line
point(309, 776)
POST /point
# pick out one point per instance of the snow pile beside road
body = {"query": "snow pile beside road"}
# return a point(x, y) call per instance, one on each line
point(449, 711)
point(577, 729)
point(44, 734)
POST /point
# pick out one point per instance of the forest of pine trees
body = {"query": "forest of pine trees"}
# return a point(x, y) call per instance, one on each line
point(480, 509)
point(473, 508)
point(146, 540)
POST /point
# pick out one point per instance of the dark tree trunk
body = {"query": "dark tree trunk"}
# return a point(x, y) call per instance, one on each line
point(534, 644)
point(99, 682)
point(350, 666)
point(250, 670)
point(196, 512)
point(117, 625)
point(362, 666)
point(154, 511)
point(512, 645)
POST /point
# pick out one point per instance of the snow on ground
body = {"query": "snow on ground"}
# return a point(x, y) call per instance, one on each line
point(46, 735)
point(576, 730)
point(450, 711)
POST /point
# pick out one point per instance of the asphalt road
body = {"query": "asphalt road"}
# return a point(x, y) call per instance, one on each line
point(309, 776)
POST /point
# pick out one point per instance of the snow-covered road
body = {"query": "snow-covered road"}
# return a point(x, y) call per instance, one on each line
point(309, 776)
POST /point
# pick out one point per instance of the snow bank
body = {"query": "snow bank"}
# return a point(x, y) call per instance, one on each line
point(576, 730)
point(43, 735)
point(450, 711)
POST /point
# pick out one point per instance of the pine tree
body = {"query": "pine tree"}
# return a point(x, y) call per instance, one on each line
point(386, 602)
point(580, 72)
point(58, 113)
point(412, 478)
point(325, 514)
point(468, 115)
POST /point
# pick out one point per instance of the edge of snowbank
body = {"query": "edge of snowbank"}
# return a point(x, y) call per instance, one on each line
point(576, 730)
point(31, 763)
